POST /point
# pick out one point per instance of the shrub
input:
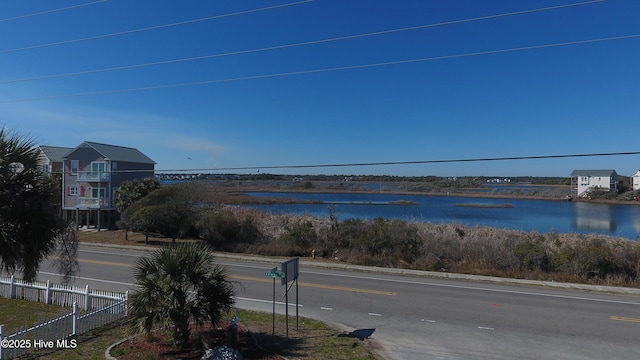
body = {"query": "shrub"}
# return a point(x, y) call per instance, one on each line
point(301, 235)
point(395, 241)
point(219, 227)
point(533, 255)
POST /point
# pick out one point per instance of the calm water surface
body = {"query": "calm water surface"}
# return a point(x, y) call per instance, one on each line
point(529, 215)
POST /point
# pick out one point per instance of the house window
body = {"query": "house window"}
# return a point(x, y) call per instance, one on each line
point(97, 193)
point(98, 166)
point(75, 165)
point(73, 190)
point(114, 166)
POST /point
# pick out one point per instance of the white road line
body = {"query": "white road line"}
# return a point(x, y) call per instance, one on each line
point(326, 308)
point(265, 301)
point(374, 314)
point(485, 328)
point(429, 321)
point(89, 279)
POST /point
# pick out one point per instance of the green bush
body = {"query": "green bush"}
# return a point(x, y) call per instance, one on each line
point(393, 239)
point(249, 231)
point(533, 255)
point(219, 228)
point(585, 259)
point(300, 235)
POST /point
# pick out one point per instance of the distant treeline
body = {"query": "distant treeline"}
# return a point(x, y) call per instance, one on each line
point(461, 180)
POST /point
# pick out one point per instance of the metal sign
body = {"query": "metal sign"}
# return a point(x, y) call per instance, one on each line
point(274, 273)
point(290, 270)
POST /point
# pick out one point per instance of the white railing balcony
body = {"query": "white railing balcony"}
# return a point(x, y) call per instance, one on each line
point(94, 176)
point(87, 202)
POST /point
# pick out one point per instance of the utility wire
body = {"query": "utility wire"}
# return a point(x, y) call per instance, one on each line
point(152, 27)
point(417, 162)
point(313, 71)
point(50, 11)
point(278, 47)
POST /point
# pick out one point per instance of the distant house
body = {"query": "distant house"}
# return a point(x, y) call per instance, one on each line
point(635, 180)
point(93, 172)
point(583, 181)
point(50, 158)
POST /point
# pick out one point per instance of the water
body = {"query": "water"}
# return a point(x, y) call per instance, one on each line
point(528, 215)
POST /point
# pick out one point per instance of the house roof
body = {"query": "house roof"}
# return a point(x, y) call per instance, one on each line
point(54, 153)
point(606, 173)
point(118, 153)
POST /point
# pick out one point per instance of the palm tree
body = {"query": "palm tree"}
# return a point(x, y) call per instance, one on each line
point(178, 285)
point(30, 229)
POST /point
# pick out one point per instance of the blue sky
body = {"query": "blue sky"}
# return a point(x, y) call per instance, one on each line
point(285, 82)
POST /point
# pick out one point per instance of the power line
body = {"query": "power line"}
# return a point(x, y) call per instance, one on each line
point(50, 11)
point(418, 162)
point(313, 71)
point(306, 43)
point(382, 163)
point(153, 27)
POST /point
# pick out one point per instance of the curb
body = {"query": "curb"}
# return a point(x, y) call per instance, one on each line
point(107, 353)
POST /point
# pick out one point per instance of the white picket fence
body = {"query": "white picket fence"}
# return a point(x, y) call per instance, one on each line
point(56, 294)
point(101, 308)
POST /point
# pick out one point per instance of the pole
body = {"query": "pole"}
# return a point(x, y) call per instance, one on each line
point(286, 310)
point(273, 315)
point(297, 318)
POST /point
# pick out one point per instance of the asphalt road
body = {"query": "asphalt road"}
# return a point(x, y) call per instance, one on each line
point(420, 317)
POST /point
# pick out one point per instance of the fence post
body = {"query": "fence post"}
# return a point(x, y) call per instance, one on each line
point(74, 311)
point(87, 300)
point(1, 337)
point(126, 303)
point(47, 293)
point(12, 288)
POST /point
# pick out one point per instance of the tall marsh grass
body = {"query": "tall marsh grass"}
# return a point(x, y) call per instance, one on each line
point(594, 259)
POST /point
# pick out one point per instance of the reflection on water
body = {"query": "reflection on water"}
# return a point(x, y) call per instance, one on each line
point(528, 215)
point(597, 217)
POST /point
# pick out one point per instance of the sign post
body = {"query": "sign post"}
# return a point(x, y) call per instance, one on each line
point(288, 272)
point(290, 268)
point(274, 273)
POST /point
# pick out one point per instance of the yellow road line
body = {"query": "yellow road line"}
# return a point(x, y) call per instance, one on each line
point(622, 318)
point(264, 279)
point(100, 262)
point(318, 286)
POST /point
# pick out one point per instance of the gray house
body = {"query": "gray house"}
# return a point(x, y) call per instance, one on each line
point(92, 173)
point(50, 158)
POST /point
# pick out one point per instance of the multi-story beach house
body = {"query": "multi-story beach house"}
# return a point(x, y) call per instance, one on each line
point(50, 158)
point(635, 180)
point(92, 173)
point(583, 181)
